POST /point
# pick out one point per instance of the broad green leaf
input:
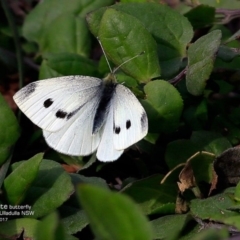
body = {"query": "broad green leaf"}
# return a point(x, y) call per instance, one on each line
point(78, 179)
point(47, 72)
point(72, 36)
point(210, 141)
point(201, 16)
point(9, 130)
point(163, 105)
point(170, 227)
point(171, 31)
point(152, 196)
point(213, 208)
point(20, 179)
point(70, 64)
point(179, 151)
point(73, 217)
point(50, 228)
point(40, 18)
point(63, 29)
point(234, 4)
point(118, 32)
point(201, 57)
point(227, 54)
point(122, 218)
point(12, 228)
point(237, 192)
point(202, 166)
point(209, 234)
point(50, 189)
point(233, 221)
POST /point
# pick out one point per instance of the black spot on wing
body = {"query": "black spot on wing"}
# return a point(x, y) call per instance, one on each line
point(117, 130)
point(144, 120)
point(61, 114)
point(29, 89)
point(128, 124)
point(47, 103)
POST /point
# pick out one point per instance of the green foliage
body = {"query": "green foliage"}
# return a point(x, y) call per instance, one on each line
point(176, 183)
point(122, 216)
point(10, 130)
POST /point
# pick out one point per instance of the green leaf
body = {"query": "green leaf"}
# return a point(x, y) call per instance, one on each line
point(47, 72)
point(118, 32)
point(77, 179)
point(152, 196)
point(202, 166)
point(237, 193)
point(227, 54)
point(64, 29)
point(163, 106)
point(72, 36)
point(170, 29)
point(18, 182)
point(201, 57)
point(120, 221)
point(201, 16)
point(210, 234)
point(53, 230)
point(70, 64)
point(170, 227)
point(9, 130)
point(12, 228)
point(179, 151)
point(210, 141)
point(73, 217)
point(50, 189)
point(213, 208)
point(234, 4)
point(233, 221)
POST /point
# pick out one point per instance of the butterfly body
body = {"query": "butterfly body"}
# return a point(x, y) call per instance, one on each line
point(81, 114)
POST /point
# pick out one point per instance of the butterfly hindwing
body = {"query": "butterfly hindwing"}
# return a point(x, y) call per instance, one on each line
point(130, 123)
point(51, 103)
point(106, 150)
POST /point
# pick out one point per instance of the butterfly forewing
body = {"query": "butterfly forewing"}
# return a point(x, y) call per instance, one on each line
point(52, 103)
point(130, 123)
point(76, 138)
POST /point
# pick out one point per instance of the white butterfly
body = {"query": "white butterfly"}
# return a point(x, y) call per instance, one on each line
point(81, 114)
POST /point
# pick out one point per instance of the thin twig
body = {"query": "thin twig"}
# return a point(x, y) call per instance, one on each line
point(179, 77)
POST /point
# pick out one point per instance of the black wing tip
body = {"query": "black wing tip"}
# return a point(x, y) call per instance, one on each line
point(144, 121)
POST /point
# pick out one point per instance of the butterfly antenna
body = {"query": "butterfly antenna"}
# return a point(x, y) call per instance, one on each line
point(105, 55)
point(141, 53)
point(130, 59)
